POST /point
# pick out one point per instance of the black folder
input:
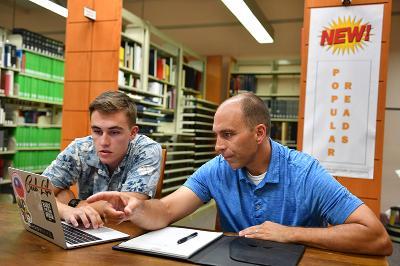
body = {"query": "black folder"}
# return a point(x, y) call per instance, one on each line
point(240, 251)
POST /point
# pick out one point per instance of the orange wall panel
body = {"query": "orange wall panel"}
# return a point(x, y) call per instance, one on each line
point(91, 66)
point(65, 143)
point(96, 88)
point(214, 79)
point(108, 9)
point(79, 37)
point(365, 188)
point(74, 124)
point(380, 127)
point(387, 18)
point(75, 10)
point(383, 67)
point(76, 95)
point(373, 204)
point(326, 3)
point(77, 66)
point(111, 29)
point(104, 66)
point(381, 101)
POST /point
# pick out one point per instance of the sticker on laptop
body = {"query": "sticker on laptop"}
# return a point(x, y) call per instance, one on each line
point(48, 211)
point(20, 194)
point(31, 185)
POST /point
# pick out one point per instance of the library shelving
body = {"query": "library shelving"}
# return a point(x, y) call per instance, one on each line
point(197, 118)
point(180, 159)
point(277, 82)
point(31, 97)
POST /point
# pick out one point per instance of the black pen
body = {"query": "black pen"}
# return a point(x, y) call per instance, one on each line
point(186, 238)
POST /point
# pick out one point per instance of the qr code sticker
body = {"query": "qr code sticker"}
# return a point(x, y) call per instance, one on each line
point(48, 211)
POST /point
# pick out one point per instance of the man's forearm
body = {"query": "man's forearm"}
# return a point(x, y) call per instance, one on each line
point(64, 196)
point(151, 215)
point(355, 238)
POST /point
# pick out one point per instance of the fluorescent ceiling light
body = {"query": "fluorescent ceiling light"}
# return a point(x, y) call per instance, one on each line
point(247, 16)
point(60, 10)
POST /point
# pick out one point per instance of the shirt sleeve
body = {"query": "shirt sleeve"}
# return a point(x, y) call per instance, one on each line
point(332, 200)
point(64, 171)
point(198, 181)
point(144, 171)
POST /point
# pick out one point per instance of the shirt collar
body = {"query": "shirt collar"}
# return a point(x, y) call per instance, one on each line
point(272, 175)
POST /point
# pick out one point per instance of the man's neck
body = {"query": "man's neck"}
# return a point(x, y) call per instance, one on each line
point(261, 159)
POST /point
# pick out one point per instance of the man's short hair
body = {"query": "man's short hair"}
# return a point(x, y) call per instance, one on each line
point(254, 110)
point(110, 102)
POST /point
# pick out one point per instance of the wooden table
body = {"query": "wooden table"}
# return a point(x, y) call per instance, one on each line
point(20, 247)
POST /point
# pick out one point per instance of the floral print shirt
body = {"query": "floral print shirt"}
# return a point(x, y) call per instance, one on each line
point(138, 171)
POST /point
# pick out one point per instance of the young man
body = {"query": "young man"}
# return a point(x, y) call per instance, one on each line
point(114, 158)
point(263, 190)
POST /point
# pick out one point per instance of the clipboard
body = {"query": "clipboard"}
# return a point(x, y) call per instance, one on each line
point(235, 251)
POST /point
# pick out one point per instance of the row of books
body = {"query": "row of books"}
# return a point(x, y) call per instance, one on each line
point(192, 78)
point(4, 118)
point(242, 83)
point(128, 79)
point(42, 66)
point(36, 137)
point(10, 56)
point(156, 88)
point(7, 85)
point(130, 55)
point(37, 89)
point(4, 164)
point(283, 108)
point(37, 42)
point(162, 67)
point(34, 160)
point(171, 98)
point(287, 134)
point(31, 116)
point(4, 135)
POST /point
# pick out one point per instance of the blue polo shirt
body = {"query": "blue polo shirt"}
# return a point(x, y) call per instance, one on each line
point(296, 191)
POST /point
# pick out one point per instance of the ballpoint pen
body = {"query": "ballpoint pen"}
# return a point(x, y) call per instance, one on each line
point(186, 238)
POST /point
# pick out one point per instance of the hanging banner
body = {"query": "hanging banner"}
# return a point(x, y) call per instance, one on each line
point(342, 88)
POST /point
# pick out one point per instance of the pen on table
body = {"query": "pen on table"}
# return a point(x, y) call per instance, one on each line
point(186, 238)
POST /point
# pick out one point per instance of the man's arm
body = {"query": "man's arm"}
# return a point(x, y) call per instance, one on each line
point(88, 213)
point(151, 214)
point(361, 233)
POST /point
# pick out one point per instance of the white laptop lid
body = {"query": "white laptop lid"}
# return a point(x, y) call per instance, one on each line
point(39, 214)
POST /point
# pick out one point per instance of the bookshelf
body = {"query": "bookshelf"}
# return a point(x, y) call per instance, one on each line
point(31, 96)
point(277, 83)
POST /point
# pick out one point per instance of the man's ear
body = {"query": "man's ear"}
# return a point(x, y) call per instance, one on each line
point(261, 133)
point(134, 131)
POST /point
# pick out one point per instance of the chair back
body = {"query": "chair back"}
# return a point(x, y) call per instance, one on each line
point(161, 179)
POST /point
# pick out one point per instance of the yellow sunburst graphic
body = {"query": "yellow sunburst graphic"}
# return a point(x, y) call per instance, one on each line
point(346, 35)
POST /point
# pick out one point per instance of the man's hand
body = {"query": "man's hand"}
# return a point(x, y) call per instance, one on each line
point(86, 214)
point(122, 205)
point(268, 231)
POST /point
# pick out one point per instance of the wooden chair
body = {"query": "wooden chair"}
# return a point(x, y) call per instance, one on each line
point(161, 179)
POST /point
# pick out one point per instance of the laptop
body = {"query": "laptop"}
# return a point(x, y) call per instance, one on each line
point(39, 214)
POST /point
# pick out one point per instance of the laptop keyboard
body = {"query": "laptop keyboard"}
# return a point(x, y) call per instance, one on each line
point(76, 236)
